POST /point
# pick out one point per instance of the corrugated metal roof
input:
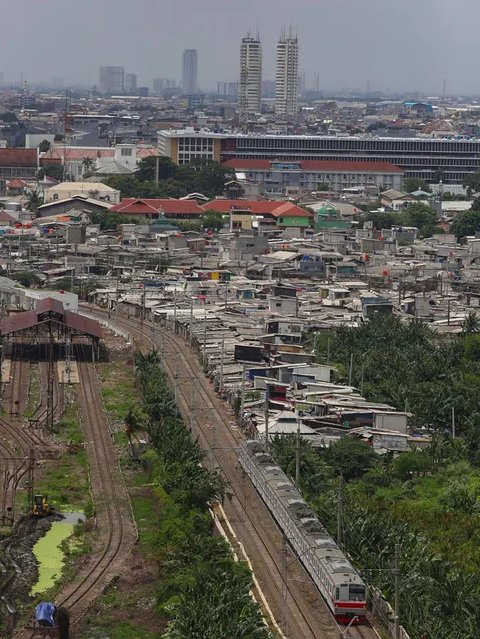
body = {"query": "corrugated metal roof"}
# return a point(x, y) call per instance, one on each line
point(28, 319)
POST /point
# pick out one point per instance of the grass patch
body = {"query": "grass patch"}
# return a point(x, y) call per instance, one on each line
point(119, 390)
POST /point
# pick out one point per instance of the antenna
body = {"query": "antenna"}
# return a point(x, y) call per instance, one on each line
point(65, 135)
point(444, 90)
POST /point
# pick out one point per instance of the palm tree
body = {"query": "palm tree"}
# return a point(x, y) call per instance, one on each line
point(34, 201)
point(87, 164)
point(471, 323)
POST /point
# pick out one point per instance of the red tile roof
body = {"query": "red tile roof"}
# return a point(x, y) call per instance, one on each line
point(257, 207)
point(148, 206)
point(16, 184)
point(318, 165)
point(18, 157)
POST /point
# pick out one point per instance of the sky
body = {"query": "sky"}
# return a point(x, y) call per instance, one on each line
point(394, 45)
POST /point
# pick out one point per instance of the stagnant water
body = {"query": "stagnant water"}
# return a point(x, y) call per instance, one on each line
point(49, 554)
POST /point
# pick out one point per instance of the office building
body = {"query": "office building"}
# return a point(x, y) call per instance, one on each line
point(286, 79)
point(131, 83)
point(452, 160)
point(111, 80)
point(250, 87)
point(190, 72)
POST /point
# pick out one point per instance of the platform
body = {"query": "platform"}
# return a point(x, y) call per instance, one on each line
point(63, 376)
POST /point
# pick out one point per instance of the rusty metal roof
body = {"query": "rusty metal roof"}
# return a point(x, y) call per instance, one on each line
point(47, 310)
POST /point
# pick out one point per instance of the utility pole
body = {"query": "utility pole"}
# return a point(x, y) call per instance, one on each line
point(222, 353)
point(175, 309)
point(242, 395)
point(297, 456)
point(397, 591)
point(191, 320)
point(350, 370)
point(266, 418)
point(361, 379)
point(205, 337)
point(340, 513)
point(453, 422)
point(328, 350)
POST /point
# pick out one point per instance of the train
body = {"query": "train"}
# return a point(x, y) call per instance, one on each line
point(339, 583)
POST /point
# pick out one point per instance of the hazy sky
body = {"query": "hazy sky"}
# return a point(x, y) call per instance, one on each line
point(394, 44)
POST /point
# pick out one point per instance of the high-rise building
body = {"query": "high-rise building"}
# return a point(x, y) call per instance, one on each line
point(111, 80)
point(131, 83)
point(286, 80)
point(190, 72)
point(250, 87)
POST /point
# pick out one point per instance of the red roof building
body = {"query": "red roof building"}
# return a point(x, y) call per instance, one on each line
point(152, 208)
point(276, 178)
point(18, 163)
point(282, 214)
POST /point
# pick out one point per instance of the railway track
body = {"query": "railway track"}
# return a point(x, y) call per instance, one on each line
point(298, 604)
point(114, 519)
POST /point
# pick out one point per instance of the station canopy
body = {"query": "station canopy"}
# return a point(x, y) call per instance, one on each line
point(50, 311)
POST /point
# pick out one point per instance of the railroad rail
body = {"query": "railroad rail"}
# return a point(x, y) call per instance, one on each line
point(292, 595)
point(113, 513)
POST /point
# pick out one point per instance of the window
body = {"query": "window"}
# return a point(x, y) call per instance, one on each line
point(356, 592)
point(126, 152)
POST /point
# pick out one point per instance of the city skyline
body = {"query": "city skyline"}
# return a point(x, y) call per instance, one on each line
point(348, 43)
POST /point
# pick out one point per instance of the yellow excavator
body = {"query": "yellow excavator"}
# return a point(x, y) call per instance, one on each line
point(40, 506)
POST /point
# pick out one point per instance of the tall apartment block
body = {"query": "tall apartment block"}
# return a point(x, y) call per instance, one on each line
point(286, 79)
point(190, 72)
point(111, 80)
point(250, 87)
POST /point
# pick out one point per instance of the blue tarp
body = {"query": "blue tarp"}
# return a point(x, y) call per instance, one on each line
point(44, 614)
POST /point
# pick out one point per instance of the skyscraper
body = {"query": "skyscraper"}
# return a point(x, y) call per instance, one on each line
point(286, 80)
point(111, 80)
point(250, 87)
point(190, 72)
point(131, 83)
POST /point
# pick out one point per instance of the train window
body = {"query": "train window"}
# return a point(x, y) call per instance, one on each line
point(337, 593)
point(356, 592)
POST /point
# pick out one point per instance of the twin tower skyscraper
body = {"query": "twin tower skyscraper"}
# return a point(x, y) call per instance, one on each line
point(286, 77)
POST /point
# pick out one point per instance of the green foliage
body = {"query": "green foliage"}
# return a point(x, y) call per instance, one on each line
point(26, 278)
point(34, 201)
point(414, 184)
point(202, 590)
point(8, 117)
point(472, 183)
point(44, 146)
point(55, 171)
point(466, 223)
point(418, 214)
point(110, 221)
point(350, 457)
point(323, 186)
point(200, 176)
point(212, 221)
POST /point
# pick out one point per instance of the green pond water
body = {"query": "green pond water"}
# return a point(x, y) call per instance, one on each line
point(49, 555)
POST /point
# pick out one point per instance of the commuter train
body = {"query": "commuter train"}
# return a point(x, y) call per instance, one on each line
point(340, 585)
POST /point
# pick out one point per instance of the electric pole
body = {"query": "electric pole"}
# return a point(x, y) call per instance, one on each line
point(297, 456)
point(340, 513)
point(397, 591)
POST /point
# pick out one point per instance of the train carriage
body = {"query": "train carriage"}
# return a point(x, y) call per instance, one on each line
point(338, 582)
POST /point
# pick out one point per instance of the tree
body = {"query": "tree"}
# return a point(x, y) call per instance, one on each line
point(26, 278)
point(55, 171)
point(466, 223)
point(212, 220)
point(87, 164)
point(422, 216)
point(323, 186)
point(350, 457)
point(472, 183)
point(34, 201)
point(414, 184)
point(471, 323)
point(146, 170)
point(44, 146)
point(8, 117)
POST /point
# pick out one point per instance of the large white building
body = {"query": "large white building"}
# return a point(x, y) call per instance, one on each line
point(190, 72)
point(250, 88)
point(111, 80)
point(286, 79)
